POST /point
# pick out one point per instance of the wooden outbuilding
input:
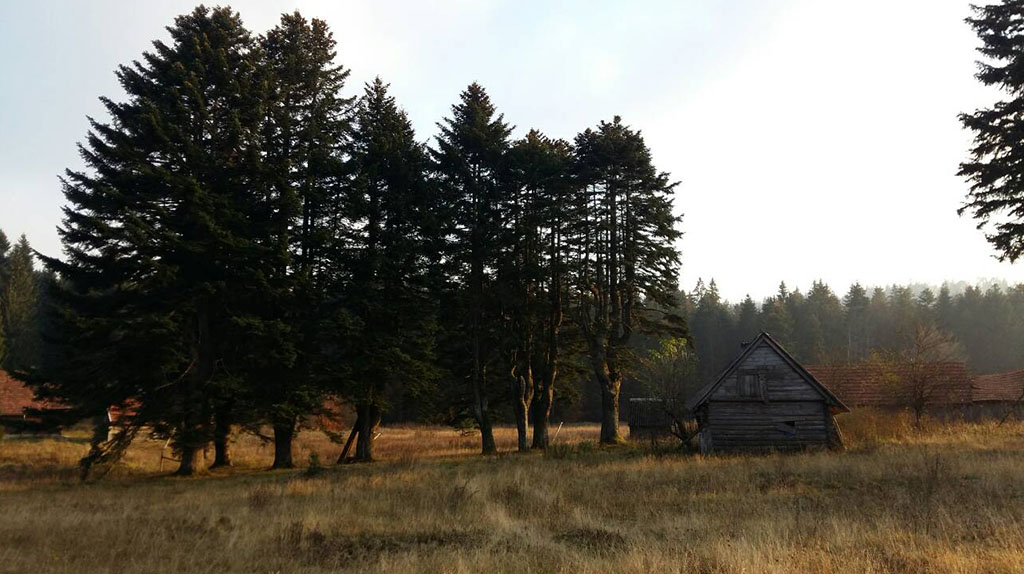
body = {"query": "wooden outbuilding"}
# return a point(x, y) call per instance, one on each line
point(649, 419)
point(765, 400)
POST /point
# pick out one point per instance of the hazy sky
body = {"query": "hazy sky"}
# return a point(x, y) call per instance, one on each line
point(813, 140)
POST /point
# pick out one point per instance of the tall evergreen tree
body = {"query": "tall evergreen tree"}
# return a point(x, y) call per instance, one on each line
point(19, 303)
point(747, 321)
point(391, 345)
point(305, 131)
point(994, 171)
point(624, 259)
point(468, 162)
point(855, 304)
point(879, 321)
point(156, 233)
point(712, 326)
point(944, 308)
point(776, 318)
point(824, 314)
point(533, 276)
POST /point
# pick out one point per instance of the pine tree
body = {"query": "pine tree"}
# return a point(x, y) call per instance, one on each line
point(624, 257)
point(824, 309)
point(903, 316)
point(856, 303)
point(712, 326)
point(879, 323)
point(775, 317)
point(996, 195)
point(747, 321)
point(944, 308)
point(391, 346)
point(926, 306)
point(533, 277)
point(159, 252)
point(5, 246)
point(468, 163)
point(19, 303)
point(305, 131)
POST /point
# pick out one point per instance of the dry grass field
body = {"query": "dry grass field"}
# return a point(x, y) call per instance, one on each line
point(946, 498)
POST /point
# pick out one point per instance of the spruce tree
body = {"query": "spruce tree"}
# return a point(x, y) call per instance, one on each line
point(855, 304)
point(468, 160)
point(879, 323)
point(532, 277)
point(824, 315)
point(389, 349)
point(747, 321)
point(304, 134)
point(996, 197)
point(712, 327)
point(944, 309)
point(5, 246)
point(159, 250)
point(776, 318)
point(624, 257)
point(19, 304)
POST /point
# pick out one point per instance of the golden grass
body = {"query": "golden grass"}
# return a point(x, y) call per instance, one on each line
point(945, 498)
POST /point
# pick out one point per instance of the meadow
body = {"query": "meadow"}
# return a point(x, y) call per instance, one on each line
point(941, 498)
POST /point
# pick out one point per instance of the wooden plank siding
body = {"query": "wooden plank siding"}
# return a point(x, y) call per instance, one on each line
point(778, 425)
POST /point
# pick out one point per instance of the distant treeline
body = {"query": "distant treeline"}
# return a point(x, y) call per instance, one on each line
point(248, 243)
point(820, 326)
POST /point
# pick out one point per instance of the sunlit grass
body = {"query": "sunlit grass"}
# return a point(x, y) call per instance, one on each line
point(942, 498)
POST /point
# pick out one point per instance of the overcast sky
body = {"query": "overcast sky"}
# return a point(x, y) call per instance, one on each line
point(813, 140)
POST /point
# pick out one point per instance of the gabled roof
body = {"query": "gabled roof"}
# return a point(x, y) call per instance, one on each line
point(704, 394)
point(871, 384)
point(1001, 387)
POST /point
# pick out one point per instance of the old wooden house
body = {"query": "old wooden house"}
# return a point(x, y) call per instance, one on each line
point(764, 400)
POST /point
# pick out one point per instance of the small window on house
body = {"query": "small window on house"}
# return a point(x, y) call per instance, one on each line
point(787, 428)
point(750, 385)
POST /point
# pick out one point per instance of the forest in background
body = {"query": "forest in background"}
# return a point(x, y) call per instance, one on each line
point(821, 326)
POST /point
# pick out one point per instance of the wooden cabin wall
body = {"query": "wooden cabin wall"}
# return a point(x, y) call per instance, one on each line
point(780, 426)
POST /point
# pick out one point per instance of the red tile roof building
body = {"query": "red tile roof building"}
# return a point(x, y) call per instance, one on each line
point(15, 397)
point(872, 385)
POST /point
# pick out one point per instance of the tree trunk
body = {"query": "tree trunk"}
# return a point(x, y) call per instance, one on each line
point(192, 432)
point(522, 395)
point(610, 381)
point(522, 428)
point(100, 430)
point(610, 411)
point(487, 435)
point(187, 466)
point(541, 412)
point(486, 430)
point(284, 432)
point(481, 408)
point(221, 432)
point(369, 420)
